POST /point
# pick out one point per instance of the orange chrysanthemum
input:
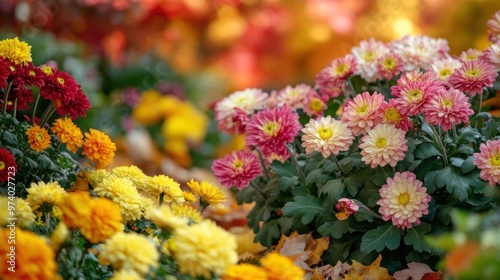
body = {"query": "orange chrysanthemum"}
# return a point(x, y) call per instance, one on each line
point(244, 271)
point(38, 138)
point(279, 267)
point(68, 133)
point(105, 221)
point(98, 148)
point(76, 209)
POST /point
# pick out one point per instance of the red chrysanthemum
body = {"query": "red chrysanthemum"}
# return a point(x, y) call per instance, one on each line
point(361, 113)
point(7, 165)
point(270, 130)
point(237, 169)
point(333, 76)
point(59, 87)
point(472, 76)
point(488, 160)
point(27, 74)
point(4, 72)
point(447, 108)
point(76, 107)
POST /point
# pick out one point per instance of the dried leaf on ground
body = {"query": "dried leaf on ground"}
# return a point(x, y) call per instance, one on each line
point(303, 249)
point(370, 272)
point(328, 272)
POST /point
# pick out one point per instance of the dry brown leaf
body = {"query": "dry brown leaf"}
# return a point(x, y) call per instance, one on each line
point(294, 248)
point(328, 272)
point(317, 247)
point(370, 272)
point(283, 239)
point(415, 270)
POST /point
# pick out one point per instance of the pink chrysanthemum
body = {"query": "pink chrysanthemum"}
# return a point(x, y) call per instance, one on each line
point(419, 51)
point(248, 100)
point(494, 27)
point(367, 54)
point(413, 97)
point(345, 207)
point(428, 78)
point(361, 113)
point(332, 77)
point(314, 105)
point(472, 76)
point(270, 130)
point(447, 108)
point(384, 144)
point(240, 120)
point(390, 114)
point(469, 55)
point(488, 160)
point(389, 66)
point(294, 97)
point(492, 55)
point(237, 169)
point(327, 136)
point(445, 67)
point(403, 200)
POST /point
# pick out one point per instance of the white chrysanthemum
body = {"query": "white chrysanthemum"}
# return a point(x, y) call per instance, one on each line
point(384, 144)
point(419, 51)
point(492, 55)
point(366, 55)
point(445, 67)
point(327, 136)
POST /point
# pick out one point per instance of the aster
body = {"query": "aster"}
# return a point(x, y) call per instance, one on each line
point(472, 76)
point(492, 55)
point(389, 66)
point(327, 136)
point(68, 133)
point(99, 148)
point(207, 192)
point(237, 169)
point(494, 27)
point(345, 207)
point(15, 51)
point(163, 185)
point(447, 108)
point(445, 67)
point(271, 129)
point(367, 54)
point(333, 76)
point(360, 113)
point(469, 55)
point(488, 161)
point(8, 166)
point(418, 52)
point(279, 267)
point(390, 113)
point(44, 196)
point(384, 144)
point(403, 200)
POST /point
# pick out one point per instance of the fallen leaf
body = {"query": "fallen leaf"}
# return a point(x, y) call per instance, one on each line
point(370, 272)
point(329, 272)
point(316, 247)
point(415, 270)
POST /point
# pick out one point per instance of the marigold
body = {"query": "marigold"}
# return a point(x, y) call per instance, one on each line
point(68, 133)
point(98, 148)
point(279, 267)
point(161, 184)
point(488, 161)
point(327, 136)
point(104, 221)
point(384, 144)
point(204, 248)
point(38, 138)
point(15, 51)
point(34, 257)
point(361, 113)
point(8, 165)
point(41, 195)
point(237, 169)
point(210, 194)
point(244, 271)
point(129, 251)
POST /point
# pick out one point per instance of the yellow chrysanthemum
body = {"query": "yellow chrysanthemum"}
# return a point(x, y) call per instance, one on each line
point(76, 209)
point(279, 267)
point(58, 236)
point(189, 196)
point(22, 212)
point(122, 192)
point(105, 221)
point(152, 107)
point(34, 258)
point(15, 51)
point(244, 272)
point(133, 173)
point(129, 251)
point(203, 249)
point(165, 185)
point(187, 211)
point(165, 218)
point(38, 138)
point(97, 176)
point(99, 148)
point(68, 133)
point(45, 195)
point(210, 194)
point(126, 275)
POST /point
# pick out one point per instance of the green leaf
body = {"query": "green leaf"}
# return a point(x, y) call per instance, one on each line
point(454, 182)
point(46, 163)
point(490, 130)
point(269, 233)
point(329, 166)
point(15, 152)
point(468, 165)
point(457, 161)
point(305, 206)
point(416, 237)
point(466, 135)
point(426, 150)
point(369, 195)
point(339, 250)
point(9, 138)
point(31, 162)
point(333, 188)
point(287, 183)
point(334, 229)
point(316, 176)
point(285, 169)
point(385, 236)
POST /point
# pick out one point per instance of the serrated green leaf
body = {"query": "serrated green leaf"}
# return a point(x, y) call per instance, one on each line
point(490, 130)
point(31, 162)
point(415, 237)
point(316, 176)
point(454, 182)
point(46, 163)
point(384, 236)
point(466, 150)
point(333, 188)
point(369, 195)
point(306, 207)
point(287, 183)
point(426, 150)
point(457, 161)
point(284, 169)
point(9, 137)
point(334, 229)
point(269, 233)
point(468, 165)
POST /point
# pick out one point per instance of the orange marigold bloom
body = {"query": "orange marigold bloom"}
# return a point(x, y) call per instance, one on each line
point(98, 147)
point(105, 221)
point(38, 138)
point(68, 133)
point(76, 209)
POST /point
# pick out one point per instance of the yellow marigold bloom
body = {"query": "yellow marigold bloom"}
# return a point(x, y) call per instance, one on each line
point(129, 251)
point(34, 257)
point(171, 190)
point(76, 209)
point(43, 195)
point(58, 236)
point(97, 176)
point(68, 133)
point(244, 272)
point(210, 194)
point(126, 275)
point(204, 248)
point(187, 211)
point(133, 173)
point(105, 221)
point(38, 138)
point(99, 148)
point(122, 192)
point(189, 196)
point(23, 212)
point(164, 218)
point(279, 267)
point(15, 51)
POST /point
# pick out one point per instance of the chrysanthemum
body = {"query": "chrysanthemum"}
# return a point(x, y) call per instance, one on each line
point(345, 207)
point(34, 257)
point(161, 184)
point(469, 55)
point(488, 160)
point(96, 176)
point(59, 87)
point(447, 108)
point(23, 213)
point(165, 218)
point(133, 173)
point(27, 75)
point(314, 105)
point(129, 251)
point(428, 78)
point(98, 148)
point(334, 75)
point(293, 97)
point(207, 192)
point(15, 51)
point(189, 196)
point(360, 113)
point(270, 130)
point(384, 144)
point(366, 55)
point(278, 267)
point(445, 67)
point(237, 169)
point(43, 195)
point(8, 166)
point(58, 236)
point(105, 220)
point(472, 76)
point(494, 27)
point(327, 136)
point(418, 52)
point(204, 248)
point(492, 55)
point(244, 271)
point(68, 133)
point(76, 107)
point(414, 96)
point(126, 274)
point(390, 114)
point(187, 211)
point(403, 200)
point(38, 138)
point(248, 100)
point(389, 66)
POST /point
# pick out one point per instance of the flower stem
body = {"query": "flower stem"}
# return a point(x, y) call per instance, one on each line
point(46, 115)
point(47, 220)
point(34, 109)
point(351, 87)
point(6, 98)
point(262, 162)
point(258, 188)
point(161, 199)
point(295, 162)
point(338, 165)
point(440, 143)
point(14, 112)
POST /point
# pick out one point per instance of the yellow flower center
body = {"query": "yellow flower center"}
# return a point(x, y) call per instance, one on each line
point(60, 80)
point(241, 100)
point(271, 128)
point(325, 133)
point(237, 164)
point(472, 73)
point(47, 70)
point(404, 198)
point(12, 68)
point(369, 56)
point(392, 114)
point(316, 105)
point(495, 160)
point(38, 136)
point(447, 103)
point(2, 165)
point(341, 69)
point(362, 110)
point(445, 73)
point(415, 94)
point(381, 142)
point(32, 73)
point(389, 63)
